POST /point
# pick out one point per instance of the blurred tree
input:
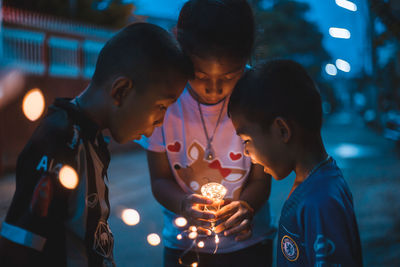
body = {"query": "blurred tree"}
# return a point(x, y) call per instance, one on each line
point(283, 31)
point(116, 14)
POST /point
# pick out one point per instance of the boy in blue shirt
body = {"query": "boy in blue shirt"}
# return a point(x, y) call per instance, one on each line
point(276, 110)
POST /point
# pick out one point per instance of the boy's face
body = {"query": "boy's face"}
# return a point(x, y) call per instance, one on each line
point(264, 147)
point(215, 78)
point(143, 110)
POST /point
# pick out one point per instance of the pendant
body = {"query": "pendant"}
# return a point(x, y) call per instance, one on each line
point(209, 154)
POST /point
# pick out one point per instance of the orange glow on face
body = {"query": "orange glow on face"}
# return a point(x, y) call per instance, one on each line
point(130, 217)
point(33, 104)
point(68, 177)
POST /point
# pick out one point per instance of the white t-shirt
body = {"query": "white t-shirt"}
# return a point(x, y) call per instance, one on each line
point(182, 137)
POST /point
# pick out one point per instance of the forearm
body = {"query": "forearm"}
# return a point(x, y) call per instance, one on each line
point(258, 188)
point(168, 194)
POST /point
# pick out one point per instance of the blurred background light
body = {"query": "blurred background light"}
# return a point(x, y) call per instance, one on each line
point(130, 217)
point(347, 5)
point(33, 104)
point(343, 65)
point(153, 239)
point(68, 177)
point(331, 69)
point(339, 33)
point(180, 222)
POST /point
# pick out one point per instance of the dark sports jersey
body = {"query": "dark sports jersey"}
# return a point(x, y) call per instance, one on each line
point(318, 226)
point(68, 226)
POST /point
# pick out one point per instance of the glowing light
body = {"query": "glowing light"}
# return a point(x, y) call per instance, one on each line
point(68, 177)
point(153, 239)
point(331, 69)
point(33, 104)
point(216, 239)
point(346, 4)
point(130, 217)
point(343, 65)
point(192, 235)
point(180, 222)
point(214, 191)
point(194, 264)
point(200, 244)
point(339, 33)
point(179, 237)
point(193, 228)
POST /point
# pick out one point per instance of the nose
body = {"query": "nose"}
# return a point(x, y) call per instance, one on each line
point(214, 87)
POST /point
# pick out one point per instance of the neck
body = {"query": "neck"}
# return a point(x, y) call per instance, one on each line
point(90, 103)
point(310, 156)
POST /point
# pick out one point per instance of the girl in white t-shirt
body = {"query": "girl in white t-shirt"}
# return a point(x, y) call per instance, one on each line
point(197, 144)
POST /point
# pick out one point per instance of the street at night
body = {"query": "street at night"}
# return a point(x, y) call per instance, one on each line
point(369, 163)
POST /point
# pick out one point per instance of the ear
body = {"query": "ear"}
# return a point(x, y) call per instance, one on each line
point(282, 129)
point(120, 89)
point(196, 151)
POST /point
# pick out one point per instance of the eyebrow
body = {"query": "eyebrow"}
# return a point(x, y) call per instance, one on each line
point(229, 72)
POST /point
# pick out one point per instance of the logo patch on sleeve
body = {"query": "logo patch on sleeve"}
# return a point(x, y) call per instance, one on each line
point(289, 248)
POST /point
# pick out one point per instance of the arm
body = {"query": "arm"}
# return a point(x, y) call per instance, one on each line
point(240, 213)
point(12, 254)
point(169, 194)
point(330, 233)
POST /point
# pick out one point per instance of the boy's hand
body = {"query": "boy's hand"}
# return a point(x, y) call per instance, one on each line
point(238, 216)
point(193, 208)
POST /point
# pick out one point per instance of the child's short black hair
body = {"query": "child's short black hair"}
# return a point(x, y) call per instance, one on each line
point(214, 28)
point(141, 51)
point(278, 88)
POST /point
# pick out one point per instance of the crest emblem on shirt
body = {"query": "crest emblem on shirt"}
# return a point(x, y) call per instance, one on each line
point(289, 248)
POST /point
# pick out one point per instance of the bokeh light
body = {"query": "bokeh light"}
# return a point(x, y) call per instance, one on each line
point(194, 264)
point(153, 239)
point(192, 235)
point(193, 228)
point(339, 33)
point(331, 69)
point(180, 222)
point(346, 4)
point(200, 244)
point(130, 217)
point(179, 237)
point(33, 104)
point(68, 177)
point(343, 65)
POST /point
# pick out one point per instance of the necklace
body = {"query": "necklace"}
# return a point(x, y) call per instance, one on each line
point(209, 153)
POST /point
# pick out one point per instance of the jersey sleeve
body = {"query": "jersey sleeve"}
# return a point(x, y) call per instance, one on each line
point(155, 143)
point(329, 234)
point(39, 205)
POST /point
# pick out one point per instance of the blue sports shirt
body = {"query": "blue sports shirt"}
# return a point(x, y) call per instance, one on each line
point(318, 226)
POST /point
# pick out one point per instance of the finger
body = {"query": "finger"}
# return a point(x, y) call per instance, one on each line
point(244, 225)
point(204, 231)
point(227, 210)
point(199, 214)
point(244, 236)
point(219, 228)
point(199, 199)
point(236, 218)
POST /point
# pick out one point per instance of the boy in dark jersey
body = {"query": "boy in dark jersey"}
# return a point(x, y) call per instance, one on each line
point(276, 110)
point(59, 213)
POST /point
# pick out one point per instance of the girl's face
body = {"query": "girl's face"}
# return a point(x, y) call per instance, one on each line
point(214, 78)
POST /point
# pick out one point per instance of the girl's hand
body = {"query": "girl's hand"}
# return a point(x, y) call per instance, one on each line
point(238, 216)
point(192, 208)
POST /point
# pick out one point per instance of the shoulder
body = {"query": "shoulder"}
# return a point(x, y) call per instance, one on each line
point(56, 137)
